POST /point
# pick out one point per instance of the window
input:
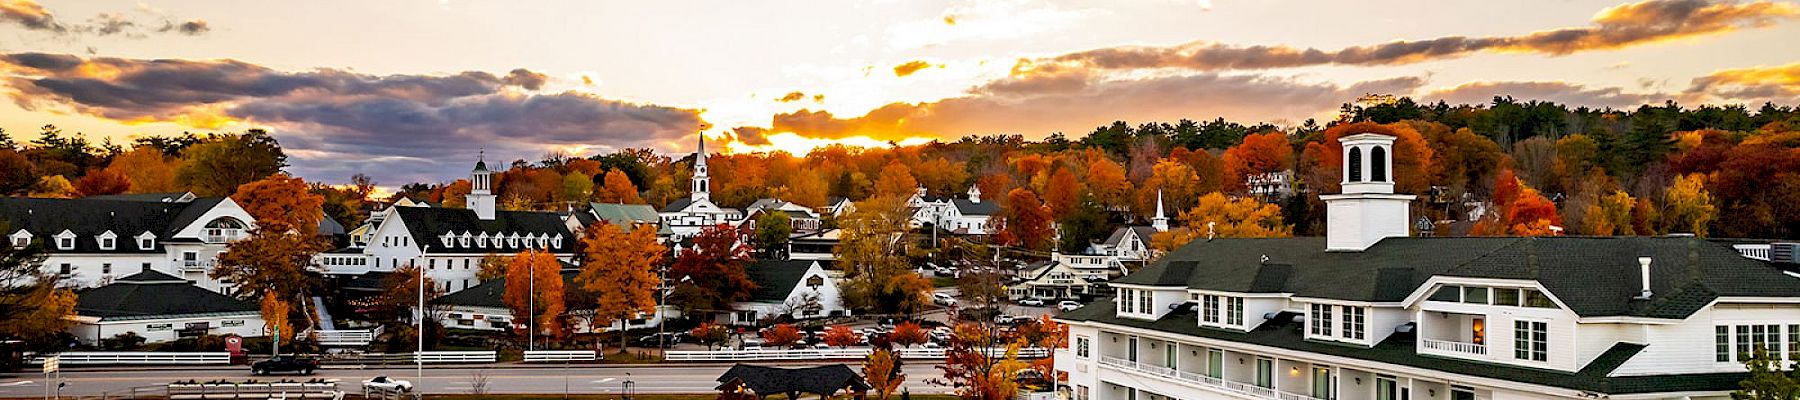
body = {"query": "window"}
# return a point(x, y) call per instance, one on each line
point(65, 243)
point(21, 241)
point(146, 243)
point(1462, 393)
point(1081, 346)
point(108, 243)
point(1215, 363)
point(1320, 319)
point(1081, 392)
point(1234, 311)
point(1475, 295)
point(1722, 343)
point(1447, 293)
point(1131, 349)
point(1793, 345)
point(1265, 373)
point(1209, 309)
point(1531, 340)
point(1144, 302)
point(1355, 168)
point(1377, 164)
point(1534, 298)
point(1506, 297)
point(66, 269)
point(1386, 388)
point(1354, 323)
point(144, 267)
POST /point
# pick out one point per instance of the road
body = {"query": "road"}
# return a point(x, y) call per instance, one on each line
point(441, 380)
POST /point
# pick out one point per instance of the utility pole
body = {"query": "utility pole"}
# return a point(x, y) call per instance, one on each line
point(419, 319)
point(531, 302)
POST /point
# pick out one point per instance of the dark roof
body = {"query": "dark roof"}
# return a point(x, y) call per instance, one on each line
point(488, 294)
point(1285, 332)
point(372, 281)
point(967, 207)
point(1594, 276)
point(823, 379)
point(328, 226)
point(1118, 235)
point(775, 279)
point(151, 294)
point(166, 197)
point(678, 205)
point(428, 224)
point(88, 218)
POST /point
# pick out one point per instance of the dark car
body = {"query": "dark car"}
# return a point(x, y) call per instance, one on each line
point(664, 340)
point(284, 364)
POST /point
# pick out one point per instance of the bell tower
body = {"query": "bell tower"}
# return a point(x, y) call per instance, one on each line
point(1367, 210)
point(481, 189)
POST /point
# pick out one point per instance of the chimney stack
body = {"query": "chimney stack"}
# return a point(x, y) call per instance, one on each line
point(1644, 276)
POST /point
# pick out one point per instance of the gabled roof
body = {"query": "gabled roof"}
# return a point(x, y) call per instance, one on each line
point(1118, 235)
point(427, 225)
point(1284, 332)
point(152, 294)
point(87, 218)
point(775, 279)
point(678, 205)
point(1594, 276)
point(166, 197)
point(967, 207)
point(624, 214)
point(823, 380)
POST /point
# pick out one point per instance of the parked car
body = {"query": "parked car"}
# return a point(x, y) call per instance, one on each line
point(1004, 319)
point(943, 299)
point(662, 340)
point(1067, 305)
point(382, 382)
point(753, 344)
point(284, 364)
point(1030, 302)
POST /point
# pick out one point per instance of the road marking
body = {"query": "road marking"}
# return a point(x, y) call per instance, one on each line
point(19, 383)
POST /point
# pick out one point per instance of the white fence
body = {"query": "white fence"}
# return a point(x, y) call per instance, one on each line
point(559, 355)
point(139, 358)
point(254, 390)
point(358, 337)
point(457, 356)
point(828, 354)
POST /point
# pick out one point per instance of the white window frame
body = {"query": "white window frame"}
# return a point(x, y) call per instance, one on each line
point(1525, 332)
point(1355, 322)
point(107, 240)
point(146, 241)
point(20, 241)
point(1318, 320)
point(65, 241)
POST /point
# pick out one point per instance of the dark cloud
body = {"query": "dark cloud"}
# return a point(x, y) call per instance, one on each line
point(33, 16)
point(1077, 108)
point(1616, 27)
point(1560, 92)
point(910, 67)
point(397, 127)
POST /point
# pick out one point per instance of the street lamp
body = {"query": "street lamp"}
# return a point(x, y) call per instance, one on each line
point(661, 320)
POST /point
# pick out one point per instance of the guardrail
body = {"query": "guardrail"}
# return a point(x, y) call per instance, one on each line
point(559, 355)
point(138, 358)
point(254, 390)
point(1454, 347)
point(829, 354)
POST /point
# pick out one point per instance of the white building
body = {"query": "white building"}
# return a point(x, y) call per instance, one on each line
point(686, 217)
point(798, 289)
point(91, 242)
point(1369, 313)
point(450, 242)
point(968, 216)
point(160, 308)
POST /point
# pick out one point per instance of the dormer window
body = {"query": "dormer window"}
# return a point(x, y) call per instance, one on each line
point(146, 241)
point(65, 241)
point(513, 241)
point(557, 243)
point(481, 241)
point(21, 239)
point(107, 240)
point(464, 240)
point(448, 240)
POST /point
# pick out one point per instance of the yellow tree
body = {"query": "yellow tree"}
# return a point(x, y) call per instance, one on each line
point(456, 194)
point(1611, 215)
point(1687, 206)
point(148, 169)
point(534, 291)
point(617, 188)
point(1217, 216)
point(882, 371)
point(620, 270)
point(54, 187)
point(896, 180)
point(1177, 181)
point(33, 308)
point(275, 318)
point(805, 188)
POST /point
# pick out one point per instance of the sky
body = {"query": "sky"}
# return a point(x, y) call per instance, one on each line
point(413, 90)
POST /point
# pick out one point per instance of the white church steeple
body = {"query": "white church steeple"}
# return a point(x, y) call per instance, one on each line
point(1161, 222)
point(702, 189)
point(1367, 210)
point(481, 189)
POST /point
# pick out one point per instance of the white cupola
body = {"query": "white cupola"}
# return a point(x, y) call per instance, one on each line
point(974, 194)
point(1367, 210)
point(481, 189)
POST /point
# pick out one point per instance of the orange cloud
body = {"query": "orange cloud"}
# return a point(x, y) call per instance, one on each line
point(1778, 84)
point(911, 67)
point(1626, 25)
point(791, 97)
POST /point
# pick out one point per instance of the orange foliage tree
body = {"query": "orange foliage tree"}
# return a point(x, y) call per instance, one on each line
point(1518, 210)
point(1258, 154)
point(102, 182)
point(1323, 159)
point(908, 334)
point(621, 272)
point(895, 180)
point(1024, 221)
point(840, 336)
point(781, 336)
point(1063, 191)
point(148, 169)
point(281, 203)
point(712, 271)
point(534, 291)
point(617, 188)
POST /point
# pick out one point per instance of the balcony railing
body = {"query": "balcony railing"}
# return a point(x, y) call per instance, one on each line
point(1202, 380)
point(221, 235)
point(198, 265)
point(1454, 347)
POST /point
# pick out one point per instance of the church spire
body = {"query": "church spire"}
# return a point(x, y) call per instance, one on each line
point(702, 190)
point(1161, 222)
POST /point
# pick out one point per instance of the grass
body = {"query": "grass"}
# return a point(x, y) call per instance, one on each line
point(632, 357)
point(942, 281)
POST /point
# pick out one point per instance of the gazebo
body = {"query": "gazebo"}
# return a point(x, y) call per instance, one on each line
point(757, 382)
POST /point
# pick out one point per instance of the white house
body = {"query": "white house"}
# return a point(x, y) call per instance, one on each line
point(450, 242)
point(481, 308)
point(798, 289)
point(93, 241)
point(969, 216)
point(686, 217)
point(160, 308)
point(1054, 281)
point(1368, 313)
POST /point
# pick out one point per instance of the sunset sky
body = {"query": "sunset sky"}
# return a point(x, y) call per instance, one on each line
point(410, 90)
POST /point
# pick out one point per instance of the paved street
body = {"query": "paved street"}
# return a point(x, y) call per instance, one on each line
point(449, 380)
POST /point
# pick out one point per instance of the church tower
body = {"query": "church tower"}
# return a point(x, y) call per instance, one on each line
point(481, 190)
point(1367, 210)
point(1161, 222)
point(702, 190)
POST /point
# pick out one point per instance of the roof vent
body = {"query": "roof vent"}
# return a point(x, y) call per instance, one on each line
point(1405, 328)
point(1644, 276)
point(1784, 253)
point(1270, 315)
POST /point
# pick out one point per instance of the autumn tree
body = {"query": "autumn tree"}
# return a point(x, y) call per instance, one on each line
point(1063, 191)
point(1214, 215)
point(17, 174)
point(273, 259)
point(617, 188)
point(1519, 210)
point(621, 270)
point(1025, 221)
point(54, 187)
point(102, 182)
point(840, 336)
point(1106, 180)
point(281, 203)
point(219, 164)
point(34, 309)
point(493, 266)
point(456, 194)
point(712, 271)
point(1687, 206)
point(907, 334)
point(534, 292)
point(710, 334)
point(972, 371)
point(874, 263)
point(274, 313)
point(882, 371)
point(1257, 155)
point(576, 187)
point(399, 298)
point(1611, 215)
point(896, 180)
point(781, 336)
point(1177, 182)
point(772, 231)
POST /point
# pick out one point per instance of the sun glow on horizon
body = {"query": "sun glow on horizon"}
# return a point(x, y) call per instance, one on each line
point(798, 145)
